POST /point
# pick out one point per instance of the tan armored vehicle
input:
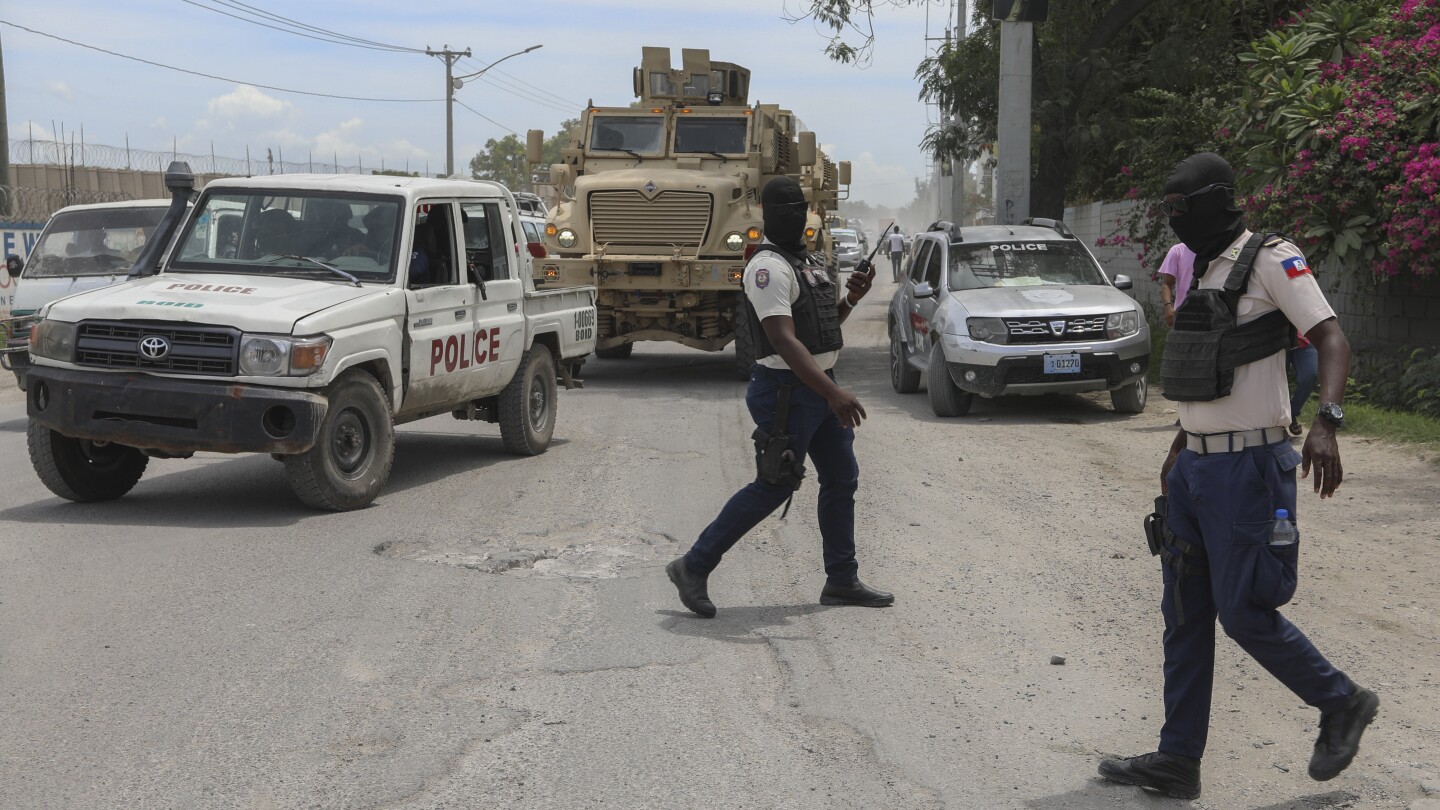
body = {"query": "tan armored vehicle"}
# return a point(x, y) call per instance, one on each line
point(659, 203)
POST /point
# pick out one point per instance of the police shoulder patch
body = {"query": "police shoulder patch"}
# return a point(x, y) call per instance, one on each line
point(1295, 267)
point(762, 278)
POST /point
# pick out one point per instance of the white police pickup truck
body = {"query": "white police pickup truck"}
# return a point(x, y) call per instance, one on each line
point(305, 316)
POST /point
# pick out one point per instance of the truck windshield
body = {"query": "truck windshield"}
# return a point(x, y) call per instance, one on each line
point(265, 232)
point(643, 135)
point(98, 242)
point(1021, 264)
point(707, 135)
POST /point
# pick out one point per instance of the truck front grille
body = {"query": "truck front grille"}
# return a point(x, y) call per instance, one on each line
point(1042, 330)
point(625, 216)
point(192, 349)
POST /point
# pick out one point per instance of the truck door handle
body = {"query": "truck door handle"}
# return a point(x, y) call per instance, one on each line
point(459, 314)
point(511, 307)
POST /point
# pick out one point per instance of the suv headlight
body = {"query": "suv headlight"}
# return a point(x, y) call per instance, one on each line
point(1122, 324)
point(566, 238)
point(987, 330)
point(53, 339)
point(271, 356)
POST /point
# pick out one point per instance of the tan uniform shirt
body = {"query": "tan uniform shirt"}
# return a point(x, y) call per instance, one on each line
point(1260, 397)
point(772, 288)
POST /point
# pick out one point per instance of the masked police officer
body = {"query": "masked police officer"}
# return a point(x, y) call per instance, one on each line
point(795, 311)
point(1230, 469)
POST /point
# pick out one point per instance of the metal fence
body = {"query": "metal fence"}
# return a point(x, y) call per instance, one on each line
point(267, 161)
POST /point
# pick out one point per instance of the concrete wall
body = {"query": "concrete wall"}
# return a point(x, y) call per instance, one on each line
point(1376, 316)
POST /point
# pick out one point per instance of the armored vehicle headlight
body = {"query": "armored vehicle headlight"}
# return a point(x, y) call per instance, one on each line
point(1122, 324)
point(566, 238)
point(53, 339)
point(263, 356)
point(987, 330)
point(734, 241)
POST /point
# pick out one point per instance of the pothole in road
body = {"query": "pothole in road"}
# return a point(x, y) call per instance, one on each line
point(578, 553)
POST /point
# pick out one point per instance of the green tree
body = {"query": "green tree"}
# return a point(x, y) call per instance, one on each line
point(502, 161)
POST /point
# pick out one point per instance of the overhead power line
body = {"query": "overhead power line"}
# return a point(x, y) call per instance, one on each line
point(545, 94)
point(320, 34)
point(486, 117)
point(222, 78)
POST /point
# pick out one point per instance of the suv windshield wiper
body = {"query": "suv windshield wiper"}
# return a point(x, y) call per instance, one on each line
point(332, 268)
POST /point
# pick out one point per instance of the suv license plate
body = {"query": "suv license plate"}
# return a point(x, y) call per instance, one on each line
point(1062, 364)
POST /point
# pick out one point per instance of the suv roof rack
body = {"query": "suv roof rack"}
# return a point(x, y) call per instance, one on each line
point(1054, 224)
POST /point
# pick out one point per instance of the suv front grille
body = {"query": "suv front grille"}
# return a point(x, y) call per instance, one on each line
point(193, 349)
point(1042, 330)
point(672, 218)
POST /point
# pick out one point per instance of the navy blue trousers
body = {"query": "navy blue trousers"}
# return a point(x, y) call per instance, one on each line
point(814, 432)
point(1225, 503)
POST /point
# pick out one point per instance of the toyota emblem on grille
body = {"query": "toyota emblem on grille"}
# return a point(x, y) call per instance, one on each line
point(154, 347)
point(1057, 328)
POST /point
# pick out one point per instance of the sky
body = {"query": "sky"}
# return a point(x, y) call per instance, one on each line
point(870, 116)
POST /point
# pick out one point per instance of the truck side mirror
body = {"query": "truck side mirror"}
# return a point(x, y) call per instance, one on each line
point(807, 148)
point(13, 265)
point(562, 175)
point(844, 172)
point(534, 146)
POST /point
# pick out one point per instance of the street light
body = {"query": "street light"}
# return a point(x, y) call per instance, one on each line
point(453, 83)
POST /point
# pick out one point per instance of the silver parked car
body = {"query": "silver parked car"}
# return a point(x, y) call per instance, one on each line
point(995, 310)
point(847, 248)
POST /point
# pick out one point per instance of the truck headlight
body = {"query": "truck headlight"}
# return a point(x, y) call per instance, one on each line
point(53, 339)
point(566, 238)
point(987, 330)
point(734, 241)
point(267, 356)
point(1122, 324)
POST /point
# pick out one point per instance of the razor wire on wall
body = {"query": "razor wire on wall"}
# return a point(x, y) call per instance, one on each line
point(90, 155)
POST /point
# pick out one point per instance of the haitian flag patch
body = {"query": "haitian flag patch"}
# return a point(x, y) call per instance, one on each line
point(1295, 267)
point(762, 278)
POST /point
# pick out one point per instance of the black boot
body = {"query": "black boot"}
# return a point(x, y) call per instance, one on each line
point(691, 587)
point(1340, 732)
point(856, 593)
point(1172, 775)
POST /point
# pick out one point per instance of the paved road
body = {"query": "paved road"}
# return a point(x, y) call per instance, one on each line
point(498, 632)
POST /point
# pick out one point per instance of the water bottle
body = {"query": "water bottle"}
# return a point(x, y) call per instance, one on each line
point(1283, 532)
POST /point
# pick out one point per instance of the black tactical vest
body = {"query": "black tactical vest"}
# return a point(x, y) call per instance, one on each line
point(816, 311)
point(1206, 345)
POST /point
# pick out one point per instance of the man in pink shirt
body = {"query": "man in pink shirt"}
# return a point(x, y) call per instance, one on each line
point(1175, 274)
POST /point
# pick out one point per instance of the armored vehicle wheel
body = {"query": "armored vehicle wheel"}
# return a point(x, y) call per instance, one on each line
point(350, 462)
point(82, 470)
point(946, 398)
point(904, 378)
point(616, 352)
point(744, 341)
point(1130, 398)
point(527, 405)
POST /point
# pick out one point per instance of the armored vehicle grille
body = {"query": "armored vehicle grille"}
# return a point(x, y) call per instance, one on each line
point(191, 349)
point(1041, 330)
point(672, 218)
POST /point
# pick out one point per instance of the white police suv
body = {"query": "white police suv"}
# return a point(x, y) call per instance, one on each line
point(997, 310)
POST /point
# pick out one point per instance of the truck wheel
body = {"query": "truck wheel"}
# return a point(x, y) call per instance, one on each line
point(82, 470)
point(527, 405)
point(616, 352)
point(946, 398)
point(904, 378)
point(1130, 398)
point(350, 462)
point(744, 341)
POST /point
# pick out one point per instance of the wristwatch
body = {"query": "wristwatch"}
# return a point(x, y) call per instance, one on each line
point(1332, 413)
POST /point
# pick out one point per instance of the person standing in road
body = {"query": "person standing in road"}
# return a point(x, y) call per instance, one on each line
point(1175, 273)
point(896, 243)
point(795, 314)
point(1229, 471)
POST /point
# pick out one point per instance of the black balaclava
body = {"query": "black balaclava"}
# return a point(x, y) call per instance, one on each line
point(783, 206)
point(1213, 222)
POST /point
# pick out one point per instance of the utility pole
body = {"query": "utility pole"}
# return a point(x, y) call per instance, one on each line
point(959, 170)
point(450, 58)
point(4, 144)
point(1017, 42)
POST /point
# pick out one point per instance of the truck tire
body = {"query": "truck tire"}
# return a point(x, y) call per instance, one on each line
point(350, 462)
point(616, 352)
point(1130, 398)
point(946, 398)
point(744, 341)
point(527, 405)
point(904, 378)
point(82, 470)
